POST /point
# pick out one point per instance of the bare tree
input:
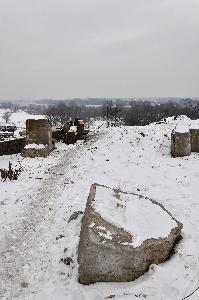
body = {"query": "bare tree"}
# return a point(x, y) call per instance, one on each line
point(114, 114)
point(7, 116)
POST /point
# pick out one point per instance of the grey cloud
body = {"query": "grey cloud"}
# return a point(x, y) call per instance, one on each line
point(103, 48)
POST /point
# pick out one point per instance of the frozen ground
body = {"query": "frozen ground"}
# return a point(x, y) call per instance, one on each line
point(36, 237)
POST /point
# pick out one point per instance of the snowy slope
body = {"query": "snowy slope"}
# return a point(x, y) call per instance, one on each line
point(34, 212)
point(17, 118)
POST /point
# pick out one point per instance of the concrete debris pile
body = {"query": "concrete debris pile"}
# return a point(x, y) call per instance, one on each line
point(40, 138)
point(70, 132)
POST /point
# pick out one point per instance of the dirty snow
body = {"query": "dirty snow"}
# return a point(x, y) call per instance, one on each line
point(34, 211)
point(138, 216)
point(103, 232)
point(35, 146)
point(73, 129)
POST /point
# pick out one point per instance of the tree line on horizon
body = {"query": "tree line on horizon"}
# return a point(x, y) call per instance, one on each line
point(116, 114)
point(136, 113)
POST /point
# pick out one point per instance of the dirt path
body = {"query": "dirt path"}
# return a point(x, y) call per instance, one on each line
point(26, 249)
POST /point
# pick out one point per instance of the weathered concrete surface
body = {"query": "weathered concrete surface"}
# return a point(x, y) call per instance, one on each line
point(35, 152)
point(57, 135)
point(66, 127)
point(116, 259)
point(76, 121)
point(70, 138)
point(194, 139)
point(80, 130)
point(38, 132)
point(12, 146)
point(180, 144)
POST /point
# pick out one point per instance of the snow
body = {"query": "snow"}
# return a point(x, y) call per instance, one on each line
point(35, 209)
point(194, 126)
point(138, 216)
point(19, 118)
point(182, 129)
point(92, 225)
point(73, 129)
point(2, 112)
point(106, 234)
point(35, 146)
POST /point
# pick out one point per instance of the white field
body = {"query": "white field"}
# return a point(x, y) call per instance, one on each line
point(18, 119)
point(34, 212)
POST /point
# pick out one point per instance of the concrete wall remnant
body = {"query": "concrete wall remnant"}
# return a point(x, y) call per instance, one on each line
point(38, 132)
point(194, 139)
point(180, 144)
point(13, 146)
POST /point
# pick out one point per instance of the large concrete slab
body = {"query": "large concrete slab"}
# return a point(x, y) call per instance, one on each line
point(122, 234)
point(39, 140)
point(180, 143)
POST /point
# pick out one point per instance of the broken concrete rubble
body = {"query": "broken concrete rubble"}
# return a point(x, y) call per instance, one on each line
point(70, 138)
point(112, 252)
point(76, 121)
point(70, 132)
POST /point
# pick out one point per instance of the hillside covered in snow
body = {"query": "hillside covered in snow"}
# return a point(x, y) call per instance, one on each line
point(41, 212)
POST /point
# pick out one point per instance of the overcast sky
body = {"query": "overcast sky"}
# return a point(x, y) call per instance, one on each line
point(98, 48)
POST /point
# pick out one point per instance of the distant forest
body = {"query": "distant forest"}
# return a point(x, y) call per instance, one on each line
point(116, 111)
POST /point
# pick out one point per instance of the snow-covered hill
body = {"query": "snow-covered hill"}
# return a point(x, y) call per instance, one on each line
point(35, 235)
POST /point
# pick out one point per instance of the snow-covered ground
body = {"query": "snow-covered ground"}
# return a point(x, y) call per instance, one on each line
point(36, 237)
point(141, 218)
point(17, 118)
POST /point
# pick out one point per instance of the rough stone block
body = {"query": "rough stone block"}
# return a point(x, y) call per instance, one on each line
point(180, 144)
point(57, 135)
point(38, 132)
point(70, 138)
point(80, 130)
point(76, 121)
point(194, 139)
point(112, 250)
